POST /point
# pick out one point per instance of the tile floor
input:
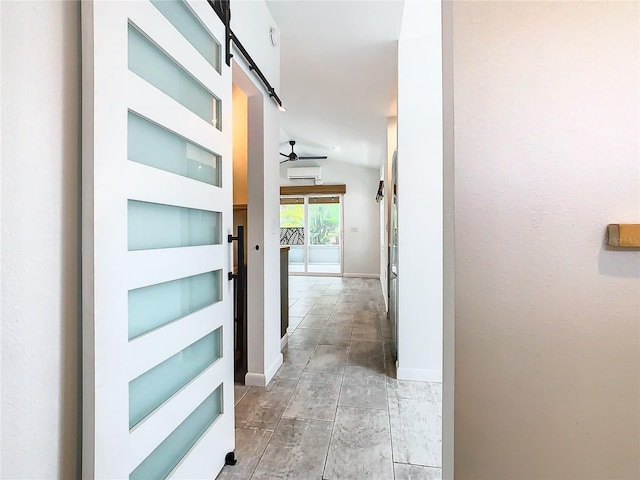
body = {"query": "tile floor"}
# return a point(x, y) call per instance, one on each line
point(334, 410)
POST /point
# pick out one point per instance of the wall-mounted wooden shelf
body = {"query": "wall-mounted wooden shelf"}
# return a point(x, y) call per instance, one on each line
point(626, 235)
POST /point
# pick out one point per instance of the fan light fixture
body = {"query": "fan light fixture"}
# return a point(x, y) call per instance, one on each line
point(292, 157)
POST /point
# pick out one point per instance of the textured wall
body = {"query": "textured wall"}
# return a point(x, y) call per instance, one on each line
point(40, 239)
point(547, 318)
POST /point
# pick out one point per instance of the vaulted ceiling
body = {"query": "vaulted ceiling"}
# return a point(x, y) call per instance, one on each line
point(338, 76)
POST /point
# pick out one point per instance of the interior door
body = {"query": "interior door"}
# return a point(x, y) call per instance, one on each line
point(157, 209)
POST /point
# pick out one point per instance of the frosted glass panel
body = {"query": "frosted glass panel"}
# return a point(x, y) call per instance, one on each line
point(153, 145)
point(160, 463)
point(154, 387)
point(153, 65)
point(156, 305)
point(190, 27)
point(154, 225)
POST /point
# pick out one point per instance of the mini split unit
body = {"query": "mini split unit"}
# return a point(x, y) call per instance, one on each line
point(305, 173)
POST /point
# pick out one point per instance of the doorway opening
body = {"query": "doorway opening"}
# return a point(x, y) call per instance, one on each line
point(311, 225)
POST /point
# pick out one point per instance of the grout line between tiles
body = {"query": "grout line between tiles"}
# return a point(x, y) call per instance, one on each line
point(253, 470)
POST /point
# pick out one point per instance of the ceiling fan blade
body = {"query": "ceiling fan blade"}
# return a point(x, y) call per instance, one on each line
point(284, 154)
point(284, 161)
point(312, 158)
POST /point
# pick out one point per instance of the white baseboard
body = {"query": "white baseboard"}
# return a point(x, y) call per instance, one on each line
point(263, 379)
point(418, 374)
point(284, 340)
point(273, 369)
point(361, 275)
point(255, 380)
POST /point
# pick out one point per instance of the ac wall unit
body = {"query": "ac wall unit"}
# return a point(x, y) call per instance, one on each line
point(304, 173)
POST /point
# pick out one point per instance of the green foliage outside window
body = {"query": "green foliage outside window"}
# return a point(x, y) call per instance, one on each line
point(324, 221)
point(291, 216)
point(324, 224)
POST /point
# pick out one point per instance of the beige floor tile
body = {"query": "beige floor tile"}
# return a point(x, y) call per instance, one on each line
point(342, 319)
point(327, 299)
point(239, 391)
point(314, 399)
point(338, 375)
point(321, 309)
point(263, 407)
point(294, 322)
point(297, 450)
point(314, 321)
point(328, 359)
point(304, 338)
point(414, 390)
point(416, 430)
point(416, 472)
point(366, 354)
point(360, 446)
point(250, 445)
point(325, 378)
point(364, 391)
point(294, 363)
point(371, 333)
point(299, 310)
point(357, 371)
point(348, 298)
point(335, 335)
point(346, 308)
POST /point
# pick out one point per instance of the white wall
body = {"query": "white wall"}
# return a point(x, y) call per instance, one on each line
point(361, 212)
point(547, 111)
point(420, 193)
point(40, 239)
point(251, 21)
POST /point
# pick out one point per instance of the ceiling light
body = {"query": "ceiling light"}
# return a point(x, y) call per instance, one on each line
point(282, 108)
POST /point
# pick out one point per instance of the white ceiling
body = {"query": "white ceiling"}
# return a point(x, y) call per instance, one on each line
point(338, 76)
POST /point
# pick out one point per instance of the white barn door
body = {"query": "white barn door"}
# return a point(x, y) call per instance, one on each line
point(157, 209)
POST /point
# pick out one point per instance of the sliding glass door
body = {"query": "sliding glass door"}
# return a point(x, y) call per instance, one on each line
point(311, 226)
point(324, 245)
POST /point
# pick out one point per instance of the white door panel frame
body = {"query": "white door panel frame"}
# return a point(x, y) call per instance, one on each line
point(110, 361)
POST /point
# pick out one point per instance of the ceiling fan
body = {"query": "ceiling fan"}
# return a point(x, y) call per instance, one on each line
point(292, 157)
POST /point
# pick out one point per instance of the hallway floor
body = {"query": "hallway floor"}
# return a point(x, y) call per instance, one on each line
point(334, 410)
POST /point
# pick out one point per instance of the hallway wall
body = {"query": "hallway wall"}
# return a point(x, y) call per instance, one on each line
point(40, 239)
point(547, 112)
